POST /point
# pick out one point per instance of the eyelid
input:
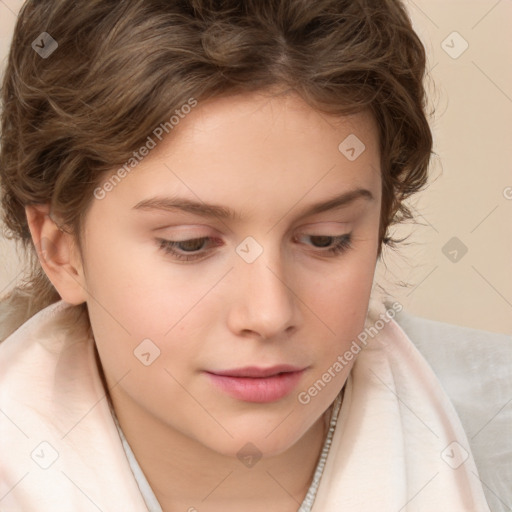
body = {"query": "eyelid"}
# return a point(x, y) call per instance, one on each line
point(327, 224)
point(194, 232)
point(333, 229)
point(186, 232)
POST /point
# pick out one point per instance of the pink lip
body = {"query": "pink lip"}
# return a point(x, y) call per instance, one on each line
point(253, 384)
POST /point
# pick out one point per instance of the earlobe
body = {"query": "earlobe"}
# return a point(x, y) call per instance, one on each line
point(58, 254)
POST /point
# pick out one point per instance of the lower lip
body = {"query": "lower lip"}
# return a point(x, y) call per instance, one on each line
point(261, 390)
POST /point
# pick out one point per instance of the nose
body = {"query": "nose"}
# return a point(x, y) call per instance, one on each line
point(264, 304)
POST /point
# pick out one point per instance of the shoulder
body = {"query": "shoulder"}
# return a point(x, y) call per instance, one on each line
point(475, 369)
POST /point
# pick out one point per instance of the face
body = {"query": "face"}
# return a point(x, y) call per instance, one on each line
point(232, 266)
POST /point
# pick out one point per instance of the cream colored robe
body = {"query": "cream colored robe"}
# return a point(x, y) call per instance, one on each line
point(399, 444)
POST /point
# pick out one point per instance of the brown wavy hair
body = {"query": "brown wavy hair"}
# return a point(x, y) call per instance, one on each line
point(123, 67)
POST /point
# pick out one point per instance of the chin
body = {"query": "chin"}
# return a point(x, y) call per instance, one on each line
point(267, 437)
point(256, 446)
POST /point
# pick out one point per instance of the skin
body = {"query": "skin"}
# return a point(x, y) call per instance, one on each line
point(268, 158)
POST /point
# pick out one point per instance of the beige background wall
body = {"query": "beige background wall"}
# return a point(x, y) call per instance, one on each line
point(470, 196)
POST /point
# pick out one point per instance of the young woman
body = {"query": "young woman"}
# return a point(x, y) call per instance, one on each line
point(206, 187)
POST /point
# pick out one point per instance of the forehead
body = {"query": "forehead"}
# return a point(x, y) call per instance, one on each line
point(268, 124)
point(238, 150)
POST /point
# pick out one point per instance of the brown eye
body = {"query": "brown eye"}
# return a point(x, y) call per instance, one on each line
point(195, 244)
point(321, 241)
point(327, 245)
point(189, 250)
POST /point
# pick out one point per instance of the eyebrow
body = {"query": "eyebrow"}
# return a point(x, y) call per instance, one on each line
point(221, 212)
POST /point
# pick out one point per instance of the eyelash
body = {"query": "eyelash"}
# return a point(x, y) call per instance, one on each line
point(342, 244)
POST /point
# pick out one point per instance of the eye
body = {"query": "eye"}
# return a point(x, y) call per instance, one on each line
point(332, 245)
point(188, 250)
point(198, 248)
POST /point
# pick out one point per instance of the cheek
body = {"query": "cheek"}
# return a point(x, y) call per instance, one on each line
point(136, 295)
point(342, 305)
point(341, 296)
point(134, 286)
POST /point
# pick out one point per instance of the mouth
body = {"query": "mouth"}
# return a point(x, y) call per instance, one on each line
point(255, 384)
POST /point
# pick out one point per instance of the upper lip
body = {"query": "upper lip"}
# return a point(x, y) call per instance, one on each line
point(257, 372)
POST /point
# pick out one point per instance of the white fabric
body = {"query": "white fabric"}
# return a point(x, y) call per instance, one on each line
point(475, 369)
point(51, 392)
point(393, 448)
point(399, 438)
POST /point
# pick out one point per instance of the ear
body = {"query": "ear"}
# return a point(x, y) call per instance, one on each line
point(58, 254)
